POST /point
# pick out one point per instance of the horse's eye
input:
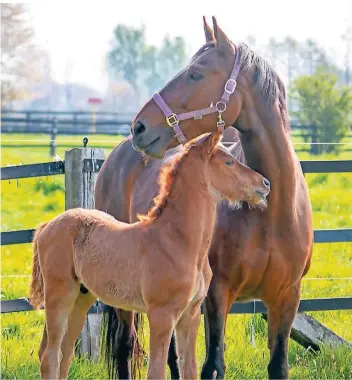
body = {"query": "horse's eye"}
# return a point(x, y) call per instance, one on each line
point(196, 76)
point(230, 163)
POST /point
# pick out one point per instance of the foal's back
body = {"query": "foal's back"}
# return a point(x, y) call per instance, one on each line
point(95, 249)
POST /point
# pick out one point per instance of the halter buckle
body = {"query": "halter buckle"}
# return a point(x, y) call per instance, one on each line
point(172, 120)
point(230, 86)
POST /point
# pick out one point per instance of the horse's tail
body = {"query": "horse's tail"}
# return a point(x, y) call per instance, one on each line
point(36, 292)
point(120, 345)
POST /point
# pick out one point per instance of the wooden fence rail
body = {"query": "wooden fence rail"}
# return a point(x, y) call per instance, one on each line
point(110, 123)
point(94, 164)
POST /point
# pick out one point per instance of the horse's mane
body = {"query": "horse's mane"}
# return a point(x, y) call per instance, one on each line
point(265, 79)
point(166, 179)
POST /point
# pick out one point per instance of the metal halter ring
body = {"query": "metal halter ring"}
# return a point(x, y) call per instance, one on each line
point(218, 108)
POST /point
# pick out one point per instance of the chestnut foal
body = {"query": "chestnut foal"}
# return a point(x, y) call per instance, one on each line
point(158, 265)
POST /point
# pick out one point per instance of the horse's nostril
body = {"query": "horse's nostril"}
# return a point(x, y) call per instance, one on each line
point(139, 128)
point(266, 183)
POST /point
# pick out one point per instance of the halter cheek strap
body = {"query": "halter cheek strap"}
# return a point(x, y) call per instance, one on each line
point(173, 119)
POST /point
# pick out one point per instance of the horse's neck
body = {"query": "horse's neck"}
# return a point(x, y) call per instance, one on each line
point(190, 212)
point(271, 153)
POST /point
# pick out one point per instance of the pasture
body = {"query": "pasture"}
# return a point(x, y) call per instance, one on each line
point(28, 202)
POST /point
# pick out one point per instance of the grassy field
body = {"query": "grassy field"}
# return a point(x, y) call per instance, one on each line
point(28, 202)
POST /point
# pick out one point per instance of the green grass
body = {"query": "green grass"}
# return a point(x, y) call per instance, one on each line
point(28, 202)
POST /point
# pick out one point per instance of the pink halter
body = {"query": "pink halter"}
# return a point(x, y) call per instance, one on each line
point(173, 119)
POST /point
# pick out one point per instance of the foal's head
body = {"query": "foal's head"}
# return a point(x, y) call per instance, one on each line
point(227, 177)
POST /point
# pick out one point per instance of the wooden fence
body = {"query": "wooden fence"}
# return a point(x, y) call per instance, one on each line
point(81, 167)
point(109, 123)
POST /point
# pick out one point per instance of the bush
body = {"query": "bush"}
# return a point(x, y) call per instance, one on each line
point(323, 103)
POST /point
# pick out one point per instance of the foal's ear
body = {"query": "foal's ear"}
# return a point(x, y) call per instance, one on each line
point(211, 143)
point(209, 34)
point(223, 43)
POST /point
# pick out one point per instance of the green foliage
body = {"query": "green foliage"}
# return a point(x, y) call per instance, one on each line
point(48, 188)
point(126, 55)
point(139, 63)
point(324, 104)
point(162, 64)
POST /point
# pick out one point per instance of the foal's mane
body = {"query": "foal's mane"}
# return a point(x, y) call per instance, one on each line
point(166, 179)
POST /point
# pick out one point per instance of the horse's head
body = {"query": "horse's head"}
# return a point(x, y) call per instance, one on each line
point(228, 178)
point(200, 99)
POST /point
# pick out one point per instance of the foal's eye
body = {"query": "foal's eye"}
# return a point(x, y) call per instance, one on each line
point(230, 163)
point(196, 76)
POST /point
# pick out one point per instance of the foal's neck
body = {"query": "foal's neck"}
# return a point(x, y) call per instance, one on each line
point(191, 208)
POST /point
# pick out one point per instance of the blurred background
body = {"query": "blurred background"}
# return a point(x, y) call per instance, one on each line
point(80, 62)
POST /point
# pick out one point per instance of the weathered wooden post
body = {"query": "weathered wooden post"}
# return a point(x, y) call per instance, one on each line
point(53, 133)
point(81, 170)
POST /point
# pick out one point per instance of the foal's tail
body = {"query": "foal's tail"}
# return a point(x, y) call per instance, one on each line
point(36, 292)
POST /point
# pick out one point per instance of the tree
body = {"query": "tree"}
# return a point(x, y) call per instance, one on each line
point(164, 63)
point(324, 104)
point(274, 51)
point(314, 56)
point(19, 55)
point(140, 64)
point(126, 55)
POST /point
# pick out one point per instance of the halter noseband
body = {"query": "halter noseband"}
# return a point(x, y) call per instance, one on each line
point(173, 119)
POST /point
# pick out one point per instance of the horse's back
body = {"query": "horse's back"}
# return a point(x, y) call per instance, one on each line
point(127, 182)
point(115, 180)
point(145, 186)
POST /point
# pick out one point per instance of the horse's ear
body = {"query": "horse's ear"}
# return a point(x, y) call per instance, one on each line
point(223, 43)
point(209, 34)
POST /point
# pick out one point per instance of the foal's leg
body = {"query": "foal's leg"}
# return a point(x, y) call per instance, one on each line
point(74, 327)
point(43, 343)
point(280, 319)
point(186, 336)
point(60, 296)
point(215, 313)
point(161, 325)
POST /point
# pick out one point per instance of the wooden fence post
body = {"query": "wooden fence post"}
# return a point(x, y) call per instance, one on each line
point(53, 133)
point(81, 172)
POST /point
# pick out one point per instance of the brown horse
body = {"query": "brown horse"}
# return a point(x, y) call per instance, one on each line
point(158, 265)
point(253, 255)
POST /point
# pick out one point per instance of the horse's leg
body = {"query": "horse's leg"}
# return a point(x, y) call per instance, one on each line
point(60, 296)
point(186, 335)
point(215, 313)
point(74, 327)
point(172, 359)
point(281, 314)
point(161, 324)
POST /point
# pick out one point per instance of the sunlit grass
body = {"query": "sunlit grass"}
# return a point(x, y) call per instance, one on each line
point(32, 201)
